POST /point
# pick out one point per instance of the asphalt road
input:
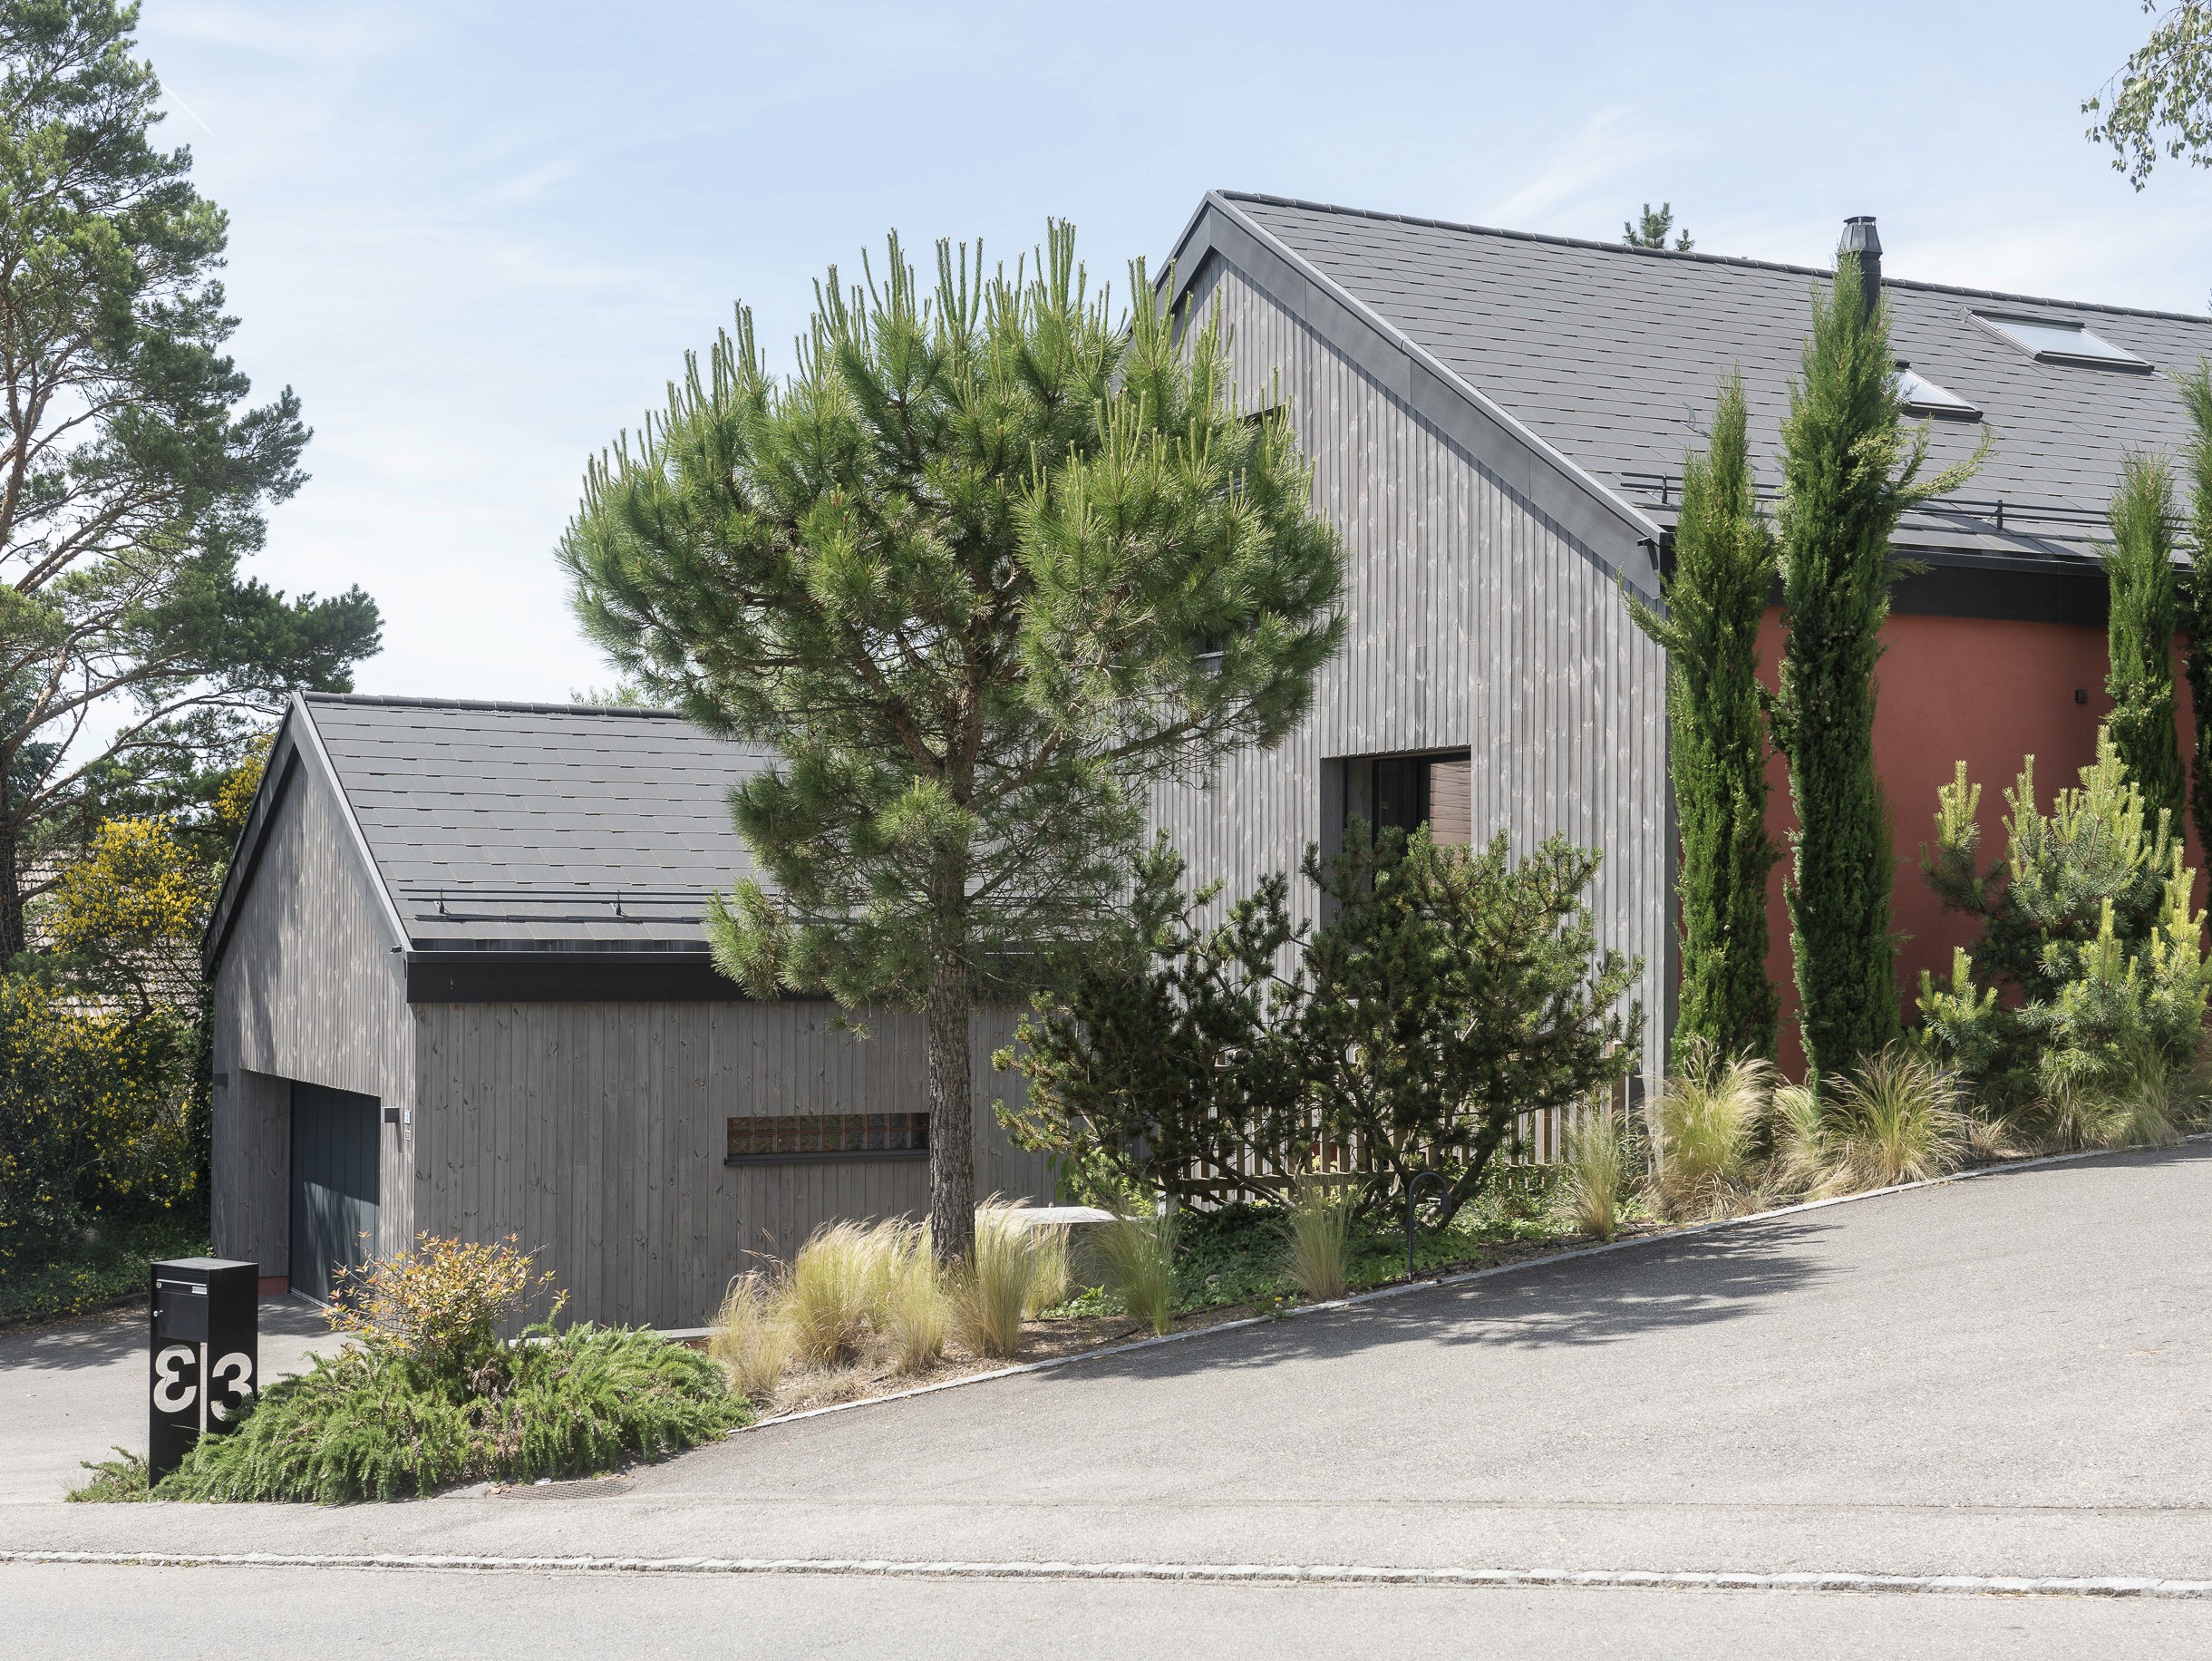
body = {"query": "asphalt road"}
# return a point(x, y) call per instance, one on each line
point(2002, 1377)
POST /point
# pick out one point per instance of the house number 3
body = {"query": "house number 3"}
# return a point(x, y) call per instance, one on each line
point(230, 1385)
point(174, 1387)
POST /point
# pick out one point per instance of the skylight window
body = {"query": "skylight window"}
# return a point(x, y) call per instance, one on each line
point(2049, 341)
point(1923, 397)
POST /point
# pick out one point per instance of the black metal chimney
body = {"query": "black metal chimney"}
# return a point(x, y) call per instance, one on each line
point(1861, 239)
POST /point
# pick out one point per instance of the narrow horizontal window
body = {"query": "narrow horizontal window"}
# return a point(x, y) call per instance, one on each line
point(1923, 397)
point(826, 1136)
point(2052, 340)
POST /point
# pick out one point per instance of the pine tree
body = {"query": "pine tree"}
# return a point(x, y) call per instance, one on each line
point(2142, 619)
point(1649, 229)
point(133, 479)
point(984, 567)
point(1724, 565)
point(1849, 473)
point(2195, 594)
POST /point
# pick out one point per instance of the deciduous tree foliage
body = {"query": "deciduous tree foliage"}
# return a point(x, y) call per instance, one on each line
point(986, 564)
point(1724, 565)
point(2145, 614)
point(1849, 472)
point(132, 476)
point(2160, 102)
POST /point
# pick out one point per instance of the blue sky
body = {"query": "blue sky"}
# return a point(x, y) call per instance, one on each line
point(478, 240)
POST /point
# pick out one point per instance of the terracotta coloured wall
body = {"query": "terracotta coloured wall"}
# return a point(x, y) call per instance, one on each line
point(1956, 689)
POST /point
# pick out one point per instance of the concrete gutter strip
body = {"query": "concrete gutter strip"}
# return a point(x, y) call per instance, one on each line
point(1338, 1574)
point(1464, 1277)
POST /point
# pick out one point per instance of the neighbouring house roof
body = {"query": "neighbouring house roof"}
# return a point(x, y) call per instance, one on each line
point(1610, 356)
point(513, 828)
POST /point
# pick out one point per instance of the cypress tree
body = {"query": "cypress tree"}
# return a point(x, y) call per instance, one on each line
point(2138, 566)
point(1849, 473)
point(2196, 596)
point(1724, 563)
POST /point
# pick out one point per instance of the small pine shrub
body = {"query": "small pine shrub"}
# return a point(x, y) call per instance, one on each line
point(751, 1336)
point(1319, 1227)
point(1136, 1260)
point(1597, 1171)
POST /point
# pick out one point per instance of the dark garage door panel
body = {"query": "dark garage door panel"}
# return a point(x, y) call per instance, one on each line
point(333, 1183)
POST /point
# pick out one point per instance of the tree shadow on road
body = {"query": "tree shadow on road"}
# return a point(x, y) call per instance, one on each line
point(109, 1340)
point(1583, 1301)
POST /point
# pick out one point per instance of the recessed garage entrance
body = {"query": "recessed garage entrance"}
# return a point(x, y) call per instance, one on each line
point(333, 1184)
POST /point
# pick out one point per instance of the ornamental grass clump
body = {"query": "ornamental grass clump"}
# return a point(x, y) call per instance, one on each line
point(1136, 1260)
point(913, 1317)
point(1703, 1125)
point(836, 1288)
point(1055, 1275)
point(1319, 1228)
point(1596, 1171)
point(991, 1291)
point(1898, 1118)
point(752, 1338)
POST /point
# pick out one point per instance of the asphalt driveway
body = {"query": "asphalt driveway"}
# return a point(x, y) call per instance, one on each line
point(2002, 1377)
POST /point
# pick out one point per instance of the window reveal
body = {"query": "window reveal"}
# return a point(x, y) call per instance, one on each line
point(757, 1136)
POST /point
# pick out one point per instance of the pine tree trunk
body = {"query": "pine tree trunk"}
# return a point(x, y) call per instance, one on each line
point(12, 937)
point(952, 1137)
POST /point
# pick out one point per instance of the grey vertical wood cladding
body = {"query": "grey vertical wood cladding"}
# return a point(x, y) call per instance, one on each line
point(596, 1133)
point(308, 988)
point(1474, 621)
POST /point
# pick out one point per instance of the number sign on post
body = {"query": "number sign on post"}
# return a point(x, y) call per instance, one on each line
point(204, 1354)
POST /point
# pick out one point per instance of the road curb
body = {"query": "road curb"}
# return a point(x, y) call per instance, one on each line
point(1231, 1574)
point(1461, 1278)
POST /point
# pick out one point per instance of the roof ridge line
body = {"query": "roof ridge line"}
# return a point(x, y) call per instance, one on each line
point(1741, 260)
point(504, 707)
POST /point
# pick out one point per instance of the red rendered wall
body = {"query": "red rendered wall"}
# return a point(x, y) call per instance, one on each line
point(1954, 689)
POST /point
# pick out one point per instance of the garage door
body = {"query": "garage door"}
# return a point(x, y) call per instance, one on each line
point(333, 1184)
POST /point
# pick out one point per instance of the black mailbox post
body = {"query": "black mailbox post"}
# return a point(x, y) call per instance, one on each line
point(204, 1353)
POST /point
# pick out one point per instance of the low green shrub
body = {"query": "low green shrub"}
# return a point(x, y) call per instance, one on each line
point(379, 1424)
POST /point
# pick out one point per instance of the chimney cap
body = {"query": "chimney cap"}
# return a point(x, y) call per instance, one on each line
point(1860, 237)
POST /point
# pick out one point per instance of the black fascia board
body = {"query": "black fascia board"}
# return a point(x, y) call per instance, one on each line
point(572, 976)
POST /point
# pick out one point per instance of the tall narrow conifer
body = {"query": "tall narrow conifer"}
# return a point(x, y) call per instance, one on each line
point(1849, 472)
point(2196, 597)
point(2145, 613)
point(1724, 563)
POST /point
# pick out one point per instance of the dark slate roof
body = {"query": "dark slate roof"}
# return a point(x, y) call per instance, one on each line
point(531, 825)
point(1612, 354)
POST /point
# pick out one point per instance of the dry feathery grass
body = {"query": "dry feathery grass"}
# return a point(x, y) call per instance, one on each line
point(1319, 1232)
point(835, 1289)
point(1136, 1261)
point(1898, 1118)
point(912, 1316)
point(1596, 1168)
point(1701, 1126)
point(1804, 1152)
point(991, 1290)
point(1055, 1278)
point(751, 1336)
